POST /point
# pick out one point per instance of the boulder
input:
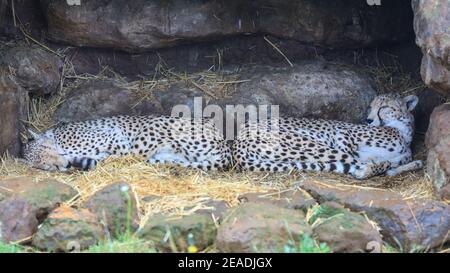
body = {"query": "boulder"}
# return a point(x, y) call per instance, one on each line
point(408, 224)
point(14, 107)
point(36, 70)
point(116, 206)
point(17, 220)
point(431, 21)
point(217, 209)
point(310, 89)
point(260, 227)
point(343, 230)
point(101, 98)
point(173, 234)
point(67, 229)
point(42, 196)
point(438, 143)
point(140, 25)
point(439, 125)
point(290, 199)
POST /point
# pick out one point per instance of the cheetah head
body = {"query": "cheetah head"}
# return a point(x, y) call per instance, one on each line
point(41, 152)
point(392, 110)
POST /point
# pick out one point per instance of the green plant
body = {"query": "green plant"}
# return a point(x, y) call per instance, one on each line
point(10, 248)
point(306, 244)
point(123, 244)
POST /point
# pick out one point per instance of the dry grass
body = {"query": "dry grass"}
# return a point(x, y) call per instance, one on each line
point(183, 191)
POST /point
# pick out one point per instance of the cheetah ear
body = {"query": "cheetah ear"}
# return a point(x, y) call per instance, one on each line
point(411, 102)
point(33, 134)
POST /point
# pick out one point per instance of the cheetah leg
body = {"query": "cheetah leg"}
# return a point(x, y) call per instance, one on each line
point(411, 166)
point(369, 170)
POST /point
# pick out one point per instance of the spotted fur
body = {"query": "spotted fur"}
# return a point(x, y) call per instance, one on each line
point(157, 139)
point(382, 146)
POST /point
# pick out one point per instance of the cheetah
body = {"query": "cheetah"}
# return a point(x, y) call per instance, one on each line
point(194, 143)
point(380, 147)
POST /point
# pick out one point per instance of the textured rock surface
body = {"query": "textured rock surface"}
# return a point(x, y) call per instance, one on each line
point(196, 230)
point(310, 89)
point(260, 227)
point(142, 25)
point(431, 21)
point(42, 196)
point(17, 220)
point(14, 108)
point(101, 98)
point(343, 230)
point(116, 206)
point(313, 90)
point(411, 223)
point(67, 229)
point(215, 209)
point(36, 69)
point(292, 199)
point(438, 144)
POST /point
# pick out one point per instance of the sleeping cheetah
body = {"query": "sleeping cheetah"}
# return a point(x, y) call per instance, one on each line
point(382, 146)
point(194, 143)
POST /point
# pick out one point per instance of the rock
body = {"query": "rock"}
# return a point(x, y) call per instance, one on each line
point(137, 26)
point(445, 193)
point(116, 206)
point(67, 229)
point(260, 227)
point(439, 125)
point(101, 98)
point(36, 69)
point(14, 107)
point(310, 89)
point(216, 209)
point(431, 23)
point(17, 220)
point(343, 230)
point(197, 230)
point(178, 94)
point(291, 199)
point(438, 164)
point(43, 196)
point(411, 223)
point(438, 143)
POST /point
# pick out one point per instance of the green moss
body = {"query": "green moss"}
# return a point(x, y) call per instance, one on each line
point(10, 248)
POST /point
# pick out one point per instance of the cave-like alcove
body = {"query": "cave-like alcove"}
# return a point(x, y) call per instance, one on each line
point(63, 62)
